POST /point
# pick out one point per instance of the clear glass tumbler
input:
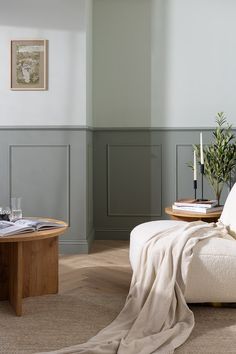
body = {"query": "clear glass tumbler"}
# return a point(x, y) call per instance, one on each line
point(16, 211)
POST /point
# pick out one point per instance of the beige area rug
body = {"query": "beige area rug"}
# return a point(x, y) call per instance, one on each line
point(56, 321)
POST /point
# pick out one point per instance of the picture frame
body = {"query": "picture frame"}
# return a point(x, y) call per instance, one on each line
point(29, 64)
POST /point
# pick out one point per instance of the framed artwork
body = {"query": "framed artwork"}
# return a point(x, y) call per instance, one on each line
point(29, 64)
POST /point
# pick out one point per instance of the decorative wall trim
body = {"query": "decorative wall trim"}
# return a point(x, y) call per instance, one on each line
point(77, 246)
point(104, 129)
point(90, 238)
point(46, 127)
point(149, 129)
point(77, 138)
point(11, 147)
point(73, 242)
point(176, 178)
point(112, 234)
point(109, 212)
point(73, 246)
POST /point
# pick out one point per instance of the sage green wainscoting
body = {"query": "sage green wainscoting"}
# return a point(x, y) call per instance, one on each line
point(51, 169)
point(100, 181)
point(138, 172)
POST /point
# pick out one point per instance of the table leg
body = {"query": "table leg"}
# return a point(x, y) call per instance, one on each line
point(16, 277)
point(40, 267)
point(4, 270)
point(28, 269)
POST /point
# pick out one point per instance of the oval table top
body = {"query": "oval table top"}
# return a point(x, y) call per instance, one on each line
point(36, 235)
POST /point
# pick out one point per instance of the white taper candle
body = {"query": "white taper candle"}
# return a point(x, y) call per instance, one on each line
point(201, 150)
point(194, 166)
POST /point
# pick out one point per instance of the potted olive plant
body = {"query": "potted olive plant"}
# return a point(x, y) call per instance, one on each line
point(219, 156)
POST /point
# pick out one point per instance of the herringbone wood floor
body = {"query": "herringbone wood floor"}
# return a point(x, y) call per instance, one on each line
point(96, 269)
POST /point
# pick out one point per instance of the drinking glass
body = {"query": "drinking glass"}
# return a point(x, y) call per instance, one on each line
point(16, 211)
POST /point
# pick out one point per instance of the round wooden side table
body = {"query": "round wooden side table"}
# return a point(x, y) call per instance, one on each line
point(29, 265)
point(191, 216)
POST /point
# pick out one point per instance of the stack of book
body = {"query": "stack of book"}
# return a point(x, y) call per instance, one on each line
point(197, 206)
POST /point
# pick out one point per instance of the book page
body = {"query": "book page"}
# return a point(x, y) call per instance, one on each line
point(4, 224)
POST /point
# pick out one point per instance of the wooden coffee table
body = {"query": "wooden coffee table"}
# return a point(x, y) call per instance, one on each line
point(29, 265)
point(191, 216)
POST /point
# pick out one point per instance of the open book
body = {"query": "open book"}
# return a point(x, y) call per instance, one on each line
point(20, 226)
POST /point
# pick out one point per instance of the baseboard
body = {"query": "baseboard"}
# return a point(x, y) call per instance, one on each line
point(90, 239)
point(112, 234)
point(76, 246)
point(73, 247)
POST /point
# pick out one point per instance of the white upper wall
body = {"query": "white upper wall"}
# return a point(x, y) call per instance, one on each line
point(121, 62)
point(193, 62)
point(63, 24)
point(164, 63)
point(156, 63)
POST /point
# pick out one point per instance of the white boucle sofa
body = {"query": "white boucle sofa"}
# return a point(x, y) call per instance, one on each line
point(212, 272)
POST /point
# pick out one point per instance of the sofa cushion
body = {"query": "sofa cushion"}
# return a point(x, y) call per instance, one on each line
point(212, 271)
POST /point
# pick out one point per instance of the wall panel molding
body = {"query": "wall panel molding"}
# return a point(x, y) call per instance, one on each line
point(104, 129)
point(112, 234)
point(85, 172)
point(121, 166)
point(46, 127)
point(176, 176)
point(42, 146)
point(154, 129)
point(47, 168)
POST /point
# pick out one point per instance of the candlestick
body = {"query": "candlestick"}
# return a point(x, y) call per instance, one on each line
point(202, 173)
point(195, 174)
point(195, 188)
point(194, 166)
point(201, 150)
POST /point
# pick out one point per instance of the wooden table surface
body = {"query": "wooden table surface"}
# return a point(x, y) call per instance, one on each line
point(36, 235)
point(29, 265)
point(192, 216)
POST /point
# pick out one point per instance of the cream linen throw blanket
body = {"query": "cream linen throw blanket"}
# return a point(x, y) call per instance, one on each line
point(155, 317)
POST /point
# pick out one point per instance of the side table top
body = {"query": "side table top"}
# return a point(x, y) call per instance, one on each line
point(191, 214)
point(36, 235)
